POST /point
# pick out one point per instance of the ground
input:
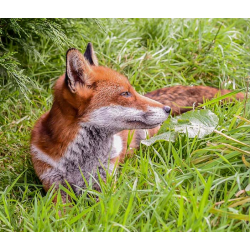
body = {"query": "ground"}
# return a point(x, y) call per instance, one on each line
point(189, 185)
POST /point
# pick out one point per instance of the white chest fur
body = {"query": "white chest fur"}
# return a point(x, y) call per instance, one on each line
point(116, 146)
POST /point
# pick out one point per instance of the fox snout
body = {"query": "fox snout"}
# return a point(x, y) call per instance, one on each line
point(117, 118)
point(156, 115)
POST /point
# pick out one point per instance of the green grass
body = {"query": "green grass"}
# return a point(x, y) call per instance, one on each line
point(188, 185)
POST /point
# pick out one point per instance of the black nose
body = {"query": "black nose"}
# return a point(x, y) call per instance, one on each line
point(167, 109)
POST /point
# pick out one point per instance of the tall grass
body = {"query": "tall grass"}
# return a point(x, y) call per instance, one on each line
point(188, 185)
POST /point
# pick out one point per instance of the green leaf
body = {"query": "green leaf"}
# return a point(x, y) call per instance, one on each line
point(195, 123)
point(168, 136)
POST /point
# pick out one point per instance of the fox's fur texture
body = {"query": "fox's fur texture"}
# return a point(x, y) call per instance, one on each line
point(93, 110)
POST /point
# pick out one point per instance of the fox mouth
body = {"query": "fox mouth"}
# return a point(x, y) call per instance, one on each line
point(143, 125)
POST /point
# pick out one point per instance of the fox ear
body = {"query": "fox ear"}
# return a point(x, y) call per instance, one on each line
point(90, 55)
point(77, 69)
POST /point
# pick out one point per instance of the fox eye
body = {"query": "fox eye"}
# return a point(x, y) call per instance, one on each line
point(126, 94)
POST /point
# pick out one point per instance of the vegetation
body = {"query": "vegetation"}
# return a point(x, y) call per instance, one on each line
point(191, 184)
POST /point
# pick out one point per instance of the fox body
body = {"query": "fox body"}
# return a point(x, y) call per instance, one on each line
point(94, 107)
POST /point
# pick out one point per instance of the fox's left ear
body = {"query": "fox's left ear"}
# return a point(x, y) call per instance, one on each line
point(90, 55)
point(78, 69)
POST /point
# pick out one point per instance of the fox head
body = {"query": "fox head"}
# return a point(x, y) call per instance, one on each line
point(101, 97)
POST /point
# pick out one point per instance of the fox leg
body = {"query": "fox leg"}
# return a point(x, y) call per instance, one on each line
point(131, 140)
point(49, 177)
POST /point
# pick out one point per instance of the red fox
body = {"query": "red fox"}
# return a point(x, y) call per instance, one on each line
point(94, 108)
